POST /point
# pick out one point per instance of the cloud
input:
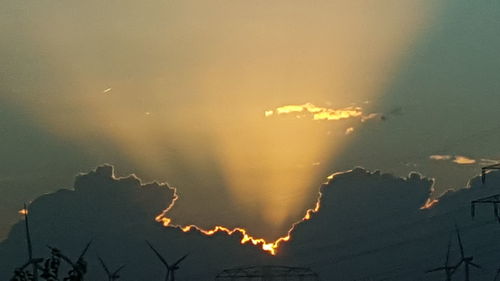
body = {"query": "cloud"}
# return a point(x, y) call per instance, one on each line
point(318, 113)
point(366, 220)
point(349, 131)
point(440, 157)
point(374, 221)
point(460, 160)
point(487, 162)
point(119, 212)
point(372, 116)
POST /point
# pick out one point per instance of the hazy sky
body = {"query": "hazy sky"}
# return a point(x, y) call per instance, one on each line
point(178, 91)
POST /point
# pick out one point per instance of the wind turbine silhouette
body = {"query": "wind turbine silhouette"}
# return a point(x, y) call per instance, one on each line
point(79, 268)
point(170, 268)
point(467, 261)
point(449, 270)
point(33, 261)
point(111, 276)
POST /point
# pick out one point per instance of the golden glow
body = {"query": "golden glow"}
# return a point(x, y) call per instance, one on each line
point(462, 160)
point(23, 211)
point(189, 107)
point(429, 204)
point(320, 113)
point(457, 159)
point(270, 247)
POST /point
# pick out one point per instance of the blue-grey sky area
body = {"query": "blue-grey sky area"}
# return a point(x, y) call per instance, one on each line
point(445, 96)
point(245, 106)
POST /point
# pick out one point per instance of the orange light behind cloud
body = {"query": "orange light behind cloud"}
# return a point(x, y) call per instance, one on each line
point(270, 247)
point(319, 113)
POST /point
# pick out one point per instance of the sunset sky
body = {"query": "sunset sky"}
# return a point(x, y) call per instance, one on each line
point(245, 107)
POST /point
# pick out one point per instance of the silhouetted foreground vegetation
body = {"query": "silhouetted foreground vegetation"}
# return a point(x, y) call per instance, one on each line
point(49, 269)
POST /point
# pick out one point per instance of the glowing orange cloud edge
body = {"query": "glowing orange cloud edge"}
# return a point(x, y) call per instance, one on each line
point(429, 204)
point(320, 113)
point(270, 247)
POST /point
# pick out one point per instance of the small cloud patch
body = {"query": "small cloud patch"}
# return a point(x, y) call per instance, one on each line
point(459, 159)
point(462, 160)
point(440, 157)
point(349, 131)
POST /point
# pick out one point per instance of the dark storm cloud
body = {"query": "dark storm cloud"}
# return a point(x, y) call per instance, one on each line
point(370, 225)
point(119, 213)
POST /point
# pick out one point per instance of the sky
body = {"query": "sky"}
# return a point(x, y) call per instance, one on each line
point(245, 107)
